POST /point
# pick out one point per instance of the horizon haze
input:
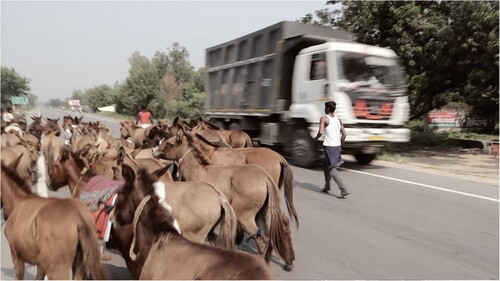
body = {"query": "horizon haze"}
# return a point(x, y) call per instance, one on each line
point(61, 46)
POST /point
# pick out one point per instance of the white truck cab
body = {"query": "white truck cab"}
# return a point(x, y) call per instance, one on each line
point(368, 85)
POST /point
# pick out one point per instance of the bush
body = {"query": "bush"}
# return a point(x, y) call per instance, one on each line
point(416, 125)
point(431, 140)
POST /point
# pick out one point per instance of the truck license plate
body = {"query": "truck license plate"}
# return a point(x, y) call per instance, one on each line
point(376, 138)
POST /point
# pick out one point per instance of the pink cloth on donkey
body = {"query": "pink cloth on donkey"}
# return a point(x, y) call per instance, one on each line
point(98, 196)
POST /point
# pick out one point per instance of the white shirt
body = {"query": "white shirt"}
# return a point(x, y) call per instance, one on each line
point(332, 132)
point(7, 117)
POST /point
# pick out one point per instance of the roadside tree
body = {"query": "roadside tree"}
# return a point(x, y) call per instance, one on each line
point(12, 85)
point(449, 48)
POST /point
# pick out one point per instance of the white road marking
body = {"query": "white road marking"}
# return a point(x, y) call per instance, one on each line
point(425, 185)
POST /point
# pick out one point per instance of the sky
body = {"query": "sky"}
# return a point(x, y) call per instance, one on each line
point(60, 46)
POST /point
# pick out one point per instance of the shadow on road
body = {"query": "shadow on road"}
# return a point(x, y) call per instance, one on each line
point(348, 164)
point(251, 247)
point(316, 188)
point(114, 272)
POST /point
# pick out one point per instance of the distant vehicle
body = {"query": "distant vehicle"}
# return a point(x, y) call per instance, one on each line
point(273, 83)
point(78, 109)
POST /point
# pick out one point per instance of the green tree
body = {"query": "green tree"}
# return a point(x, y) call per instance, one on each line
point(32, 100)
point(12, 85)
point(98, 96)
point(323, 17)
point(189, 104)
point(448, 48)
point(175, 61)
point(142, 87)
point(77, 95)
point(182, 87)
point(55, 103)
point(199, 79)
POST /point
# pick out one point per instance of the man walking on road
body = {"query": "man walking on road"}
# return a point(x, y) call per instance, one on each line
point(331, 126)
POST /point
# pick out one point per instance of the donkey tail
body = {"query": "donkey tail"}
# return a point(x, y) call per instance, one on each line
point(279, 229)
point(91, 252)
point(227, 222)
point(248, 141)
point(286, 178)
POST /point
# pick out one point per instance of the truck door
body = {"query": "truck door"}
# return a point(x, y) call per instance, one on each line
point(316, 85)
point(310, 81)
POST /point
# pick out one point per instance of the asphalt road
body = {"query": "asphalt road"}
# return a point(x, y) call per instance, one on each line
point(396, 224)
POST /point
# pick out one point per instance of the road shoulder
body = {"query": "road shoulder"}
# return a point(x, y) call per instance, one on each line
point(476, 167)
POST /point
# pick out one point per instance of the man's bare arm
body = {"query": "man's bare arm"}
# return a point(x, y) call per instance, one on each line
point(322, 124)
point(344, 134)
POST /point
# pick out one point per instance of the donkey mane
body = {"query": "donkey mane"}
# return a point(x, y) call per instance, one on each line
point(212, 126)
point(196, 150)
point(212, 143)
point(161, 220)
point(13, 175)
point(79, 162)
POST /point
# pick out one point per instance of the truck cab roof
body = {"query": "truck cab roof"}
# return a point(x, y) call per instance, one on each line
point(336, 45)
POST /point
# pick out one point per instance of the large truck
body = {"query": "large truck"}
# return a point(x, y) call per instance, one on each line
point(273, 84)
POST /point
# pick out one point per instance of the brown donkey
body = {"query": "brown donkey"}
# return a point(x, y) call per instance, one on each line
point(232, 138)
point(272, 162)
point(163, 252)
point(200, 207)
point(235, 138)
point(57, 235)
point(250, 190)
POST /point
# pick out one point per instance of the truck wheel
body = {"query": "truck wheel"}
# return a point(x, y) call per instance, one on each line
point(235, 126)
point(219, 124)
point(364, 158)
point(302, 148)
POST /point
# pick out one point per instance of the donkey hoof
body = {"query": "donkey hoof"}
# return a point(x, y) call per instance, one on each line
point(288, 267)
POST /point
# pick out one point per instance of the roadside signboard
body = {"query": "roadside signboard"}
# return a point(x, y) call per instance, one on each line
point(19, 100)
point(75, 103)
point(443, 119)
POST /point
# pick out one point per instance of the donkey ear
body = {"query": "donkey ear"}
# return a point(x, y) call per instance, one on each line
point(128, 173)
point(84, 150)
point(64, 154)
point(192, 123)
point(153, 132)
point(121, 154)
point(161, 171)
point(180, 134)
point(14, 164)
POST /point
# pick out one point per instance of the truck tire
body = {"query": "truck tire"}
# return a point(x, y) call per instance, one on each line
point(302, 148)
point(364, 158)
point(235, 126)
point(218, 123)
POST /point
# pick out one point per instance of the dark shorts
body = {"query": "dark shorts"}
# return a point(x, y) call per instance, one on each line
point(332, 156)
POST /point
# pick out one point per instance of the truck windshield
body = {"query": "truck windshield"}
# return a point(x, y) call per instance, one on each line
point(363, 70)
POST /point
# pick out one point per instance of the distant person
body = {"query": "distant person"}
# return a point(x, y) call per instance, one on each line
point(144, 118)
point(7, 116)
point(331, 126)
